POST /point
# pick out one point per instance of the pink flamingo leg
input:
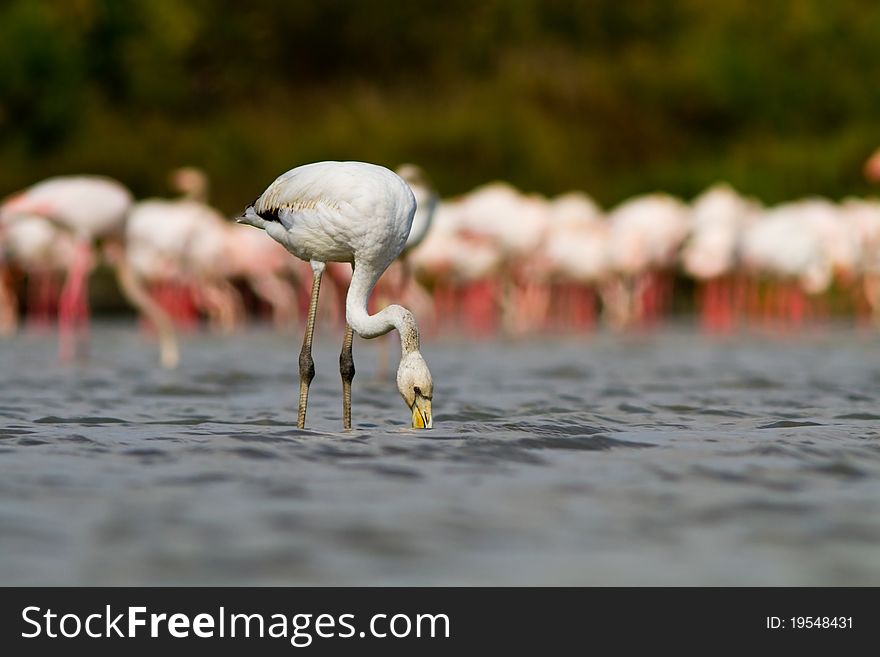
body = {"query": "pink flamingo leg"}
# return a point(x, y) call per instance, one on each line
point(798, 306)
point(726, 300)
point(82, 304)
point(73, 303)
point(190, 318)
point(583, 308)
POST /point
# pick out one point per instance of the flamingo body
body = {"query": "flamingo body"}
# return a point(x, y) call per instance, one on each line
point(88, 206)
point(339, 211)
point(349, 212)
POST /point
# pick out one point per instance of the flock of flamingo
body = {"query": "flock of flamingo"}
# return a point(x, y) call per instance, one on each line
point(495, 260)
point(499, 260)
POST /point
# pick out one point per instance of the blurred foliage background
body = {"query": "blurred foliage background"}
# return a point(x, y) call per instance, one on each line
point(779, 98)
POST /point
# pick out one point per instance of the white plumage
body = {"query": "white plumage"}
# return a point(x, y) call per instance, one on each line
point(339, 211)
point(87, 208)
point(349, 212)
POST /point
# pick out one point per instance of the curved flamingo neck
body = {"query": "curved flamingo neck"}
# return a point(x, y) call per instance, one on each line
point(363, 280)
point(197, 193)
point(135, 292)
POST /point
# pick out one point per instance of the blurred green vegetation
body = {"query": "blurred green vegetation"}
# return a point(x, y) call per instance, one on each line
point(779, 98)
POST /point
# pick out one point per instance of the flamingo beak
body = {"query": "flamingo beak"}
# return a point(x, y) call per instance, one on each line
point(250, 218)
point(421, 413)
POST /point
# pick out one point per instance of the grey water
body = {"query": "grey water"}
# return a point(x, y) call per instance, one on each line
point(658, 459)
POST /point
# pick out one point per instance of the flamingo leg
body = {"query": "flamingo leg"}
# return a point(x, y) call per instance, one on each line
point(138, 296)
point(71, 304)
point(82, 310)
point(346, 369)
point(278, 294)
point(306, 364)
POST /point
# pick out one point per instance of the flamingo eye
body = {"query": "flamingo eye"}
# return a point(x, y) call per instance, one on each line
point(417, 390)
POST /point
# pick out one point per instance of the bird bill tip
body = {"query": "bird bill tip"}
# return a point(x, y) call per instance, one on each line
point(250, 218)
point(422, 417)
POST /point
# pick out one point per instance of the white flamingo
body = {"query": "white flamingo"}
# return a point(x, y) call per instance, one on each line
point(89, 208)
point(182, 245)
point(234, 252)
point(863, 218)
point(362, 214)
point(42, 252)
point(645, 234)
point(517, 223)
point(794, 249)
point(460, 267)
point(574, 257)
point(718, 219)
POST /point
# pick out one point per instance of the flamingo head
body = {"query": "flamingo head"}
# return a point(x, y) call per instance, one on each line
point(413, 175)
point(192, 182)
point(417, 389)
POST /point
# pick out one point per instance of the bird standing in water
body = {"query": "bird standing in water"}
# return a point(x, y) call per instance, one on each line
point(85, 211)
point(349, 212)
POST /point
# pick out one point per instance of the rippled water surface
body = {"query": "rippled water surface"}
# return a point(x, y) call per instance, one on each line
point(660, 459)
